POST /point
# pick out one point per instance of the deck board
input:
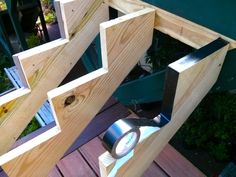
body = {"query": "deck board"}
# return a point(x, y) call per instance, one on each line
point(175, 164)
point(154, 171)
point(74, 165)
point(91, 151)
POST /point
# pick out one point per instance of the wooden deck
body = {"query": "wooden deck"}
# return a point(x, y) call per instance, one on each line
point(84, 163)
point(81, 160)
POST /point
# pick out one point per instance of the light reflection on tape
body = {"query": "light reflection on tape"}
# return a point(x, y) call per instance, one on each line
point(123, 135)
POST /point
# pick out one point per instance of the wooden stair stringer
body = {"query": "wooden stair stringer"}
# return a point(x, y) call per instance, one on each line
point(43, 68)
point(124, 40)
point(188, 81)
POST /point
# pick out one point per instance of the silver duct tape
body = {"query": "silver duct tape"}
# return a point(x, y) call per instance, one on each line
point(123, 135)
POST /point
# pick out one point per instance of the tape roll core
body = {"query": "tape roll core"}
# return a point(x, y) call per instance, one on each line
point(121, 137)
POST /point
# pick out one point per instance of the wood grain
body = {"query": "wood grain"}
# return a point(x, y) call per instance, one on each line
point(124, 41)
point(45, 67)
point(194, 79)
point(177, 27)
point(76, 12)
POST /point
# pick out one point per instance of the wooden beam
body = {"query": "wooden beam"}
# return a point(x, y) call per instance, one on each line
point(43, 68)
point(177, 27)
point(193, 76)
point(123, 40)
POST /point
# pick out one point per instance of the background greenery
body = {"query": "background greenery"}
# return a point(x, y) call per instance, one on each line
point(212, 126)
point(5, 83)
point(48, 11)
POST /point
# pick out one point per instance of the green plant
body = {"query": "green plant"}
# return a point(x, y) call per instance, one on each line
point(4, 61)
point(48, 11)
point(3, 5)
point(5, 83)
point(50, 16)
point(32, 126)
point(33, 40)
point(212, 125)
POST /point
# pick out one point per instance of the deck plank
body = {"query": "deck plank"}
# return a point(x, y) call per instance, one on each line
point(74, 165)
point(153, 171)
point(91, 151)
point(175, 164)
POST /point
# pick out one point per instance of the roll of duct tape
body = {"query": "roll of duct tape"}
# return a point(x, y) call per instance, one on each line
point(123, 135)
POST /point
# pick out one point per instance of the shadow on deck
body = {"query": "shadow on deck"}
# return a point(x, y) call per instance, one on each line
point(81, 160)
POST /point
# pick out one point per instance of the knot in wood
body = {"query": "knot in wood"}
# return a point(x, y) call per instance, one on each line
point(69, 100)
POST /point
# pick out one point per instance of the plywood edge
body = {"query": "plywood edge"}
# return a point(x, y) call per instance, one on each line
point(61, 18)
point(20, 71)
point(103, 45)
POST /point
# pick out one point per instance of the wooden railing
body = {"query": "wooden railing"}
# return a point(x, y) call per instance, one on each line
point(123, 42)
